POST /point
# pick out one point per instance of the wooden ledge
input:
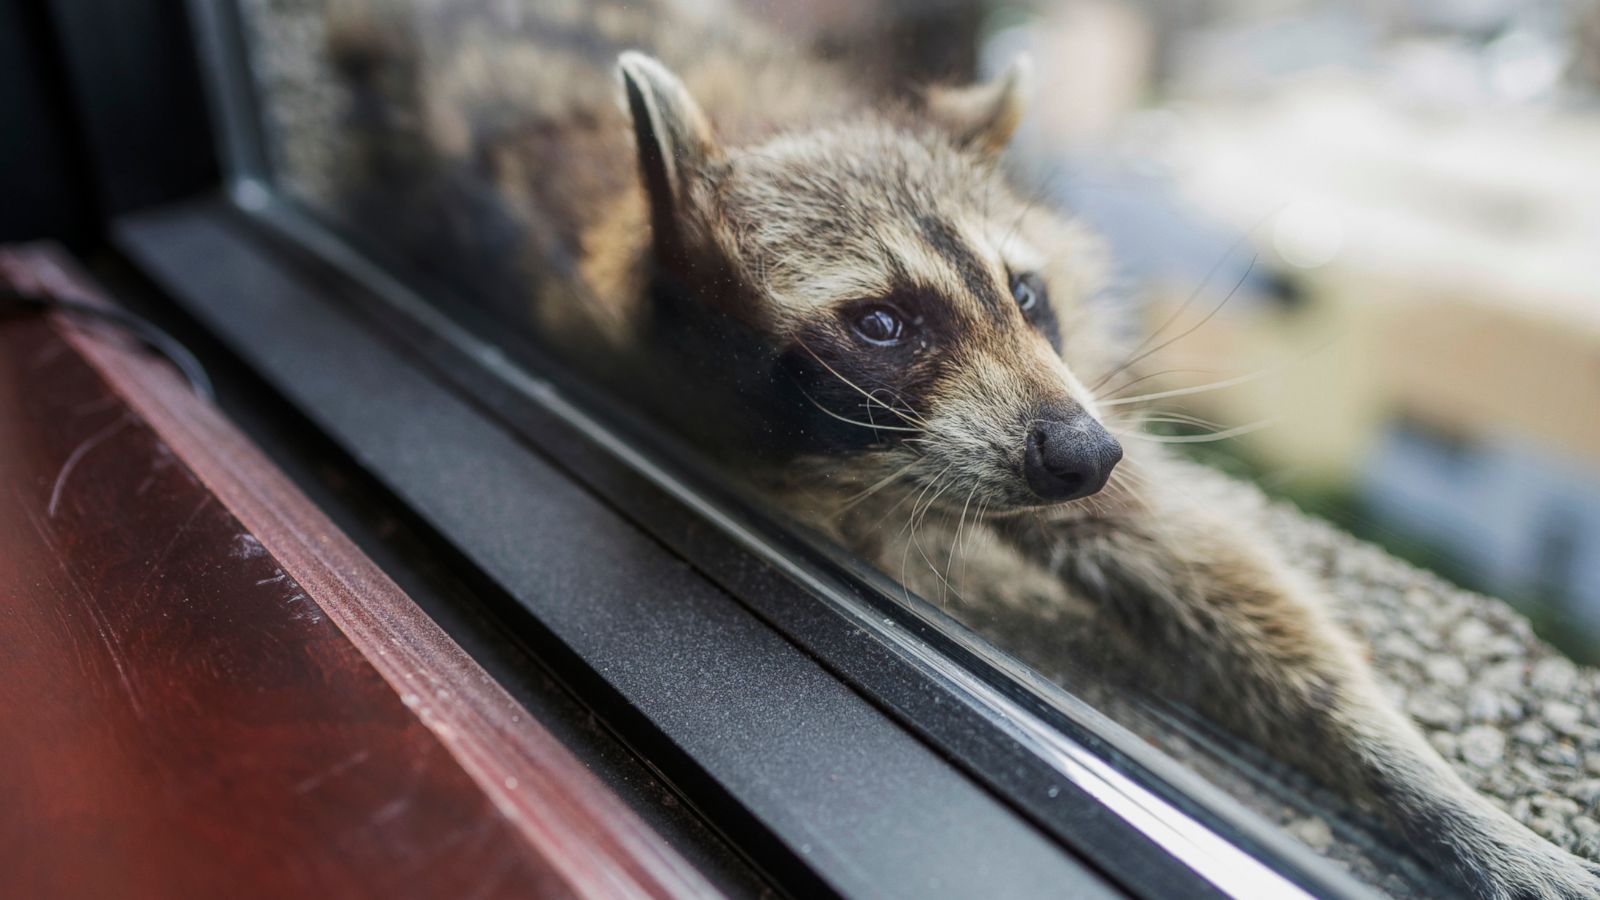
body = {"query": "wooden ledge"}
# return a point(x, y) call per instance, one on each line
point(208, 690)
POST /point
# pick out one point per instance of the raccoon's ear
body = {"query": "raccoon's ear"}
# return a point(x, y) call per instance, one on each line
point(674, 140)
point(981, 117)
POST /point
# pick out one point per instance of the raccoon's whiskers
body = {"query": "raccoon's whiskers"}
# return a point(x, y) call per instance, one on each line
point(1125, 490)
point(890, 511)
point(904, 414)
point(918, 511)
point(1119, 389)
point(1135, 427)
point(1202, 438)
point(945, 588)
point(905, 550)
point(977, 519)
point(955, 544)
point(1046, 185)
point(849, 421)
point(1125, 478)
point(1115, 491)
point(1138, 356)
point(1199, 288)
point(1176, 418)
point(890, 479)
point(1247, 377)
point(919, 495)
point(918, 516)
point(1186, 391)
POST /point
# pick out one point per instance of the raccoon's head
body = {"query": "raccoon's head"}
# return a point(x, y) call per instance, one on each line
point(919, 322)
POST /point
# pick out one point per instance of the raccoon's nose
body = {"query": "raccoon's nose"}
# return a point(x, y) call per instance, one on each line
point(1066, 460)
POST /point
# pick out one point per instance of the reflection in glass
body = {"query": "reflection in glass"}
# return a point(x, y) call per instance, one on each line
point(877, 261)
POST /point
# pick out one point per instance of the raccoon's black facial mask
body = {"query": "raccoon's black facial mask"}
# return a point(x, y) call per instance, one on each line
point(878, 366)
point(882, 323)
point(861, 378)
point(890, 294)
point(967, 395)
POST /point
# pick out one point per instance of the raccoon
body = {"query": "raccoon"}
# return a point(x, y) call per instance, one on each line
point(846, 301)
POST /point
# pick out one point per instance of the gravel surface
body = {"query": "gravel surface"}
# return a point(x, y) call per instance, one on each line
point(1515, 717)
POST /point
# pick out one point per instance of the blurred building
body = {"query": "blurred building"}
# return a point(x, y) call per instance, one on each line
point(1419, 188)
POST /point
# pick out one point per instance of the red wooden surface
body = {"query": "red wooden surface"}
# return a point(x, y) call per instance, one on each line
point(206, 690)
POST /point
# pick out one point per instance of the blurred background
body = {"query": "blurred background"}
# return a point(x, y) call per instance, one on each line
point(1374, 228)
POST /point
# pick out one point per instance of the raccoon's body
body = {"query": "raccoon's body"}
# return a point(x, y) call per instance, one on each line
point(848, 304)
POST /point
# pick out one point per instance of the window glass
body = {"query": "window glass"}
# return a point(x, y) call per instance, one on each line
point(1045, 310)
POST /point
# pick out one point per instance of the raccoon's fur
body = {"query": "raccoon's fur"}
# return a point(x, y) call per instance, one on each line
point(850, 306)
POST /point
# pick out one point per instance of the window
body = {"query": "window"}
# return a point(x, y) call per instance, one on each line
point(829, 276)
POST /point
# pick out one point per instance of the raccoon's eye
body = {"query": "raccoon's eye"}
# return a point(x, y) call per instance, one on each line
point(1028, 291)
point(879, 325)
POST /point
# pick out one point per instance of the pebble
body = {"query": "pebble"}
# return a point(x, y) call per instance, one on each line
point(1553, 805)
point(1588, 843)
point(1488, 705)
point(1481, 746)
point(1435, 711)
point(1472, 637)
point(1587, 832)
point(1521, 809)
point(1395, 645)
point(1446, 670)
point(1531, 775)
point(1563, 717)
point(1553, 677)
point(1502, 647)
point(1560, 754)
point(1501, 784)
point(1531, 733)
point(1586, 791)
point(1553, 830)
point(1505, 676)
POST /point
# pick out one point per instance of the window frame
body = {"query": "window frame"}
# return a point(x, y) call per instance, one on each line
point(1094, 788)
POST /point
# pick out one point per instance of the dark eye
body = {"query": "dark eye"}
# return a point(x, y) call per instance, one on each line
point(1028, 291)
point(879, 325)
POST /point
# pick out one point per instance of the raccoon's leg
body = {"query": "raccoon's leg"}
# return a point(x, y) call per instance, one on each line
point(1242, 640)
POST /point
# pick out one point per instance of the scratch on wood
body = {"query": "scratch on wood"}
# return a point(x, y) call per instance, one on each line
point(161, 558)
point(247, 546)
point(99, 404)
point(337, 769)
point(90, 606)
point(308, 610)
point(77, 455)
point(47, 355)
point(390, 810)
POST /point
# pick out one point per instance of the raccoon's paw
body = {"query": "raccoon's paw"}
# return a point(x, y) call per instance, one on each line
point(1523, 866)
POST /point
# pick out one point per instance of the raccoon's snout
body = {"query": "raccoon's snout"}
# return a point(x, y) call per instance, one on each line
point(1070, 458)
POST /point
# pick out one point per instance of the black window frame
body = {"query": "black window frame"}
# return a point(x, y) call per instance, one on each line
point(259, 272)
